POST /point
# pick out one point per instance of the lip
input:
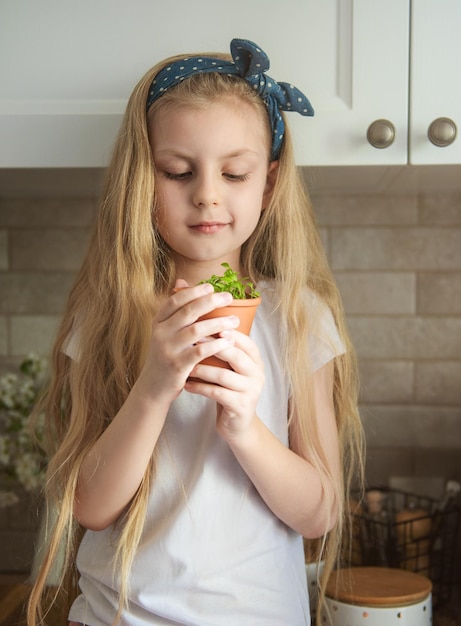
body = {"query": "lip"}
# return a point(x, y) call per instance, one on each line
point(208, 228)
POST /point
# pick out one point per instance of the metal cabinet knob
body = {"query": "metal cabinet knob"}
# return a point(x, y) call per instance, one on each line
point(381, 133)
point(442, 132)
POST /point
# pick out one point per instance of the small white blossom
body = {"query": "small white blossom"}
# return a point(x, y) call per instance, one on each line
point(28, 471)
point(20, 457)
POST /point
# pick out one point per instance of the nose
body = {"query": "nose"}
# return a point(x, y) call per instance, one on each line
point(206, 192)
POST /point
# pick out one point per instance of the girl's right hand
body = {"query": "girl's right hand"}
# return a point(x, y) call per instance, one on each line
point(179, 340)
point(123, 451)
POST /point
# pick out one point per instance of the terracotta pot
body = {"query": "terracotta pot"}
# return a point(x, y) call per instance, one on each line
point(245, 310)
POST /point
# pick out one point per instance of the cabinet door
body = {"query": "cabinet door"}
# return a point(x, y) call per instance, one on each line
point(359, 76)
point(435, 80)
point(67, 69)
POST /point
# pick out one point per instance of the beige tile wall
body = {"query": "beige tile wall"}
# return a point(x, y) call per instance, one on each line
point(42, 245)
point(397, 260)
point(42, 242)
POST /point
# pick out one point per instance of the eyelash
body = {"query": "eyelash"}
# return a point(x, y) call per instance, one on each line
point(171, 176)
point(238, 177)
point(183, 176)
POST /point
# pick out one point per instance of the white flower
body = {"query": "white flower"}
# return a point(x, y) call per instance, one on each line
point(28, 471)
point(20, 458)
point(7, 391)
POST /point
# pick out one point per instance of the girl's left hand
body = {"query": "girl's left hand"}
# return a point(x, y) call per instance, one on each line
point(236, 391)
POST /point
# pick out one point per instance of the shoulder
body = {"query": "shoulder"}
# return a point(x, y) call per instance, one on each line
point(323, 337)
point(316, 309)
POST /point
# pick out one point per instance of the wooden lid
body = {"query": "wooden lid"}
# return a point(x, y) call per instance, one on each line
point(378, 586)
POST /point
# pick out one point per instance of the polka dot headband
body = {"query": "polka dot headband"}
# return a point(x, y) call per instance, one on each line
point(250, 63)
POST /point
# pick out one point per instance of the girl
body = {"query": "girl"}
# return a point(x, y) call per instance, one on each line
point(195, 483)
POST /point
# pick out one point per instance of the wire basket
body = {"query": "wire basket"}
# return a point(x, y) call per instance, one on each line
point(404, 530)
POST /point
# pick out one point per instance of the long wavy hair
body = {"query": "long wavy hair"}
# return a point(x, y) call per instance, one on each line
point(126, 273)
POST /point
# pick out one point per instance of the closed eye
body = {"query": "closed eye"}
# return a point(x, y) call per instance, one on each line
point(185, 175)
point(237, 177)
point(173, 176)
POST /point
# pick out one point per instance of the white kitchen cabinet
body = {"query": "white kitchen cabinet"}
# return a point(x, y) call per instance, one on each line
point(67, 69)
point(435, 81)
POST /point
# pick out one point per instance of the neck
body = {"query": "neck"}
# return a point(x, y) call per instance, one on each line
point(195, 271)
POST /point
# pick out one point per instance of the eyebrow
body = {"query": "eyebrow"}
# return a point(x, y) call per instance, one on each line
point(231, 155)
point(241, 152)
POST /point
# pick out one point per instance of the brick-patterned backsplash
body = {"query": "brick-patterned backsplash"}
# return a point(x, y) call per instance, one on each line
point(397, 260)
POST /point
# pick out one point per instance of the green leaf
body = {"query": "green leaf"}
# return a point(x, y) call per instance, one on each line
point(241, 289)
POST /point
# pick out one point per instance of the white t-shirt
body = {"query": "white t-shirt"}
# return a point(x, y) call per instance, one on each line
point(211, 553)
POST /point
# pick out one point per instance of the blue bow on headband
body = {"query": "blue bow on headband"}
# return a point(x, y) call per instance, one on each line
point(250, 63)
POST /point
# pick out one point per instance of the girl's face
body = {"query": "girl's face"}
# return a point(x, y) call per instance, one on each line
point(213, 180)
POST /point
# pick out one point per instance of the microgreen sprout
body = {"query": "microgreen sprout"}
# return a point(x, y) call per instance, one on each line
point(241, 289)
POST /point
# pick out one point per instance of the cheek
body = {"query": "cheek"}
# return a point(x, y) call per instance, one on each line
point(259, 195)
point(163, 207)
point(163, 223)
point(160, 217)
point(169, 198)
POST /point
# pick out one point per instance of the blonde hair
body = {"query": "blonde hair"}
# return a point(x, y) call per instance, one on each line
point(127, 270)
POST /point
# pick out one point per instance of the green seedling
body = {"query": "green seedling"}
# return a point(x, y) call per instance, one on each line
point(241, 289)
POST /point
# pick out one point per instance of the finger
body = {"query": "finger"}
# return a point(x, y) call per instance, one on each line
point(245, 353)
point(188, 304)
point(205, 330)
point(181, 284)
point(203, 350)
point(215, 382)
point(239, 369)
